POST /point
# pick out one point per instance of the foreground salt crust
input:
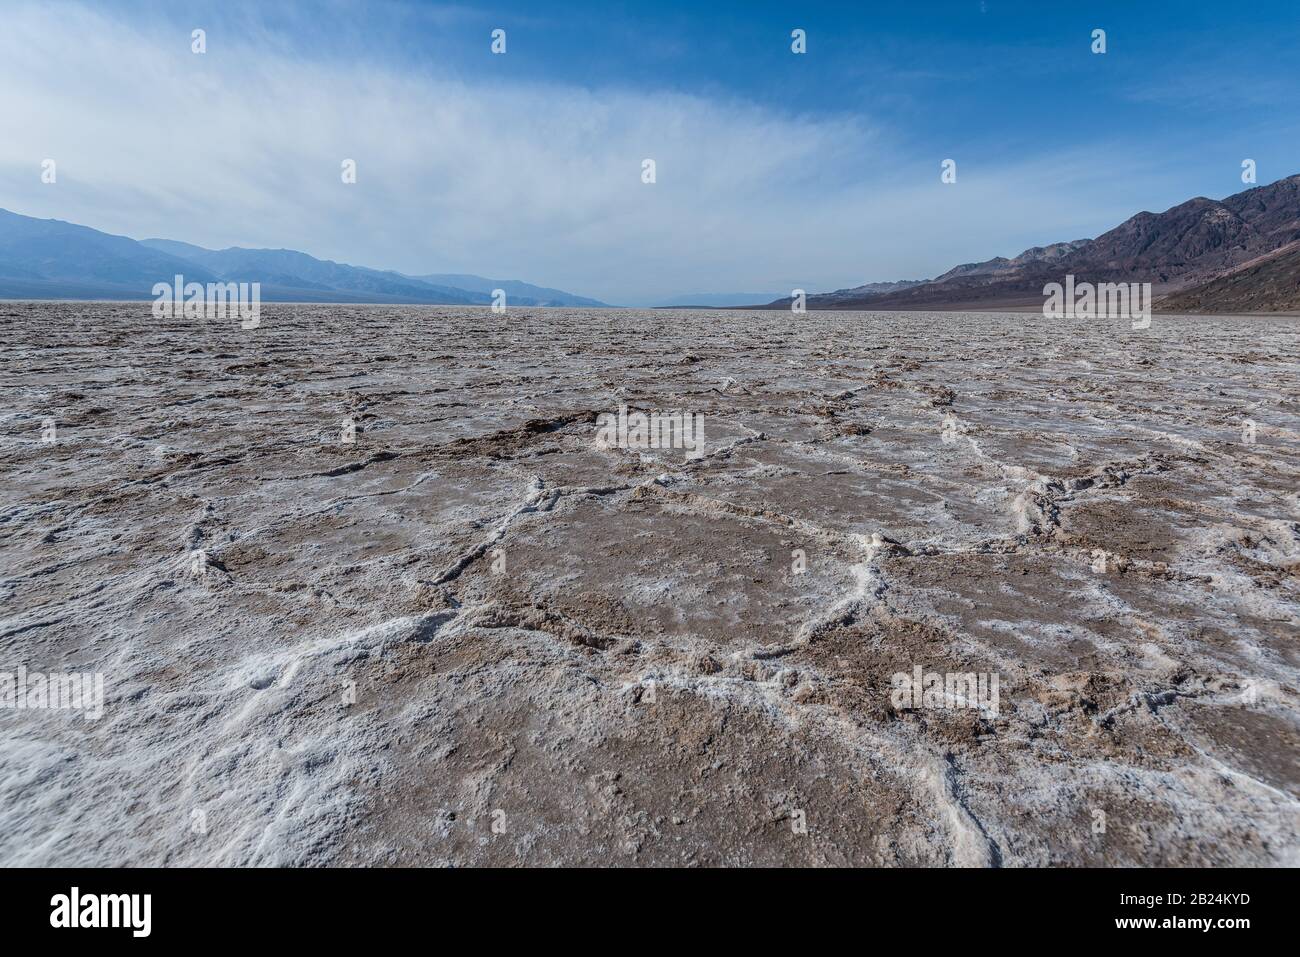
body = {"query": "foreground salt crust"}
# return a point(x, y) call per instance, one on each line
point(475, 635)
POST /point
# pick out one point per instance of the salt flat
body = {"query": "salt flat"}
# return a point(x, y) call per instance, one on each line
point(475, 636)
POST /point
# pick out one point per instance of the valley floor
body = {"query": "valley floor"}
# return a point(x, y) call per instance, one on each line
point(473, 636)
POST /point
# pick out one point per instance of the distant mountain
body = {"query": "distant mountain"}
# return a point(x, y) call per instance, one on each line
point(1001, 266)
point(51, 259)
point(860, 292)
point(713, 300)
point(288, 275)
point(48, 258)
point(1227, 243)
point(1268, 284)
point(878, 288)
point(517, 293)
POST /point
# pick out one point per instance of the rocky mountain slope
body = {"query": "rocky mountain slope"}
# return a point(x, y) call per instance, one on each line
point(1270, 284)
point(1194, 243)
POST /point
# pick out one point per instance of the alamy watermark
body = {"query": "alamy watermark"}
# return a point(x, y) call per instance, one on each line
point(1107, 300)
point(76, 909)
point(950, 690)
point(216, 300)
point(653, 430)
point(23, 690)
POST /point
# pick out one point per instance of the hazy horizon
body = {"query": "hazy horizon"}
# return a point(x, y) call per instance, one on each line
point(777, 170)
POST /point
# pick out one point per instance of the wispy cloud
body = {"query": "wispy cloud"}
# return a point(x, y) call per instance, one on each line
point(243, 146)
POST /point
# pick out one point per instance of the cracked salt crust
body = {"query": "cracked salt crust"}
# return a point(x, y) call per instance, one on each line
point(350, 681)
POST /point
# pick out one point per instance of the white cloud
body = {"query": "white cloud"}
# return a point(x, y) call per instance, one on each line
point(243, 145)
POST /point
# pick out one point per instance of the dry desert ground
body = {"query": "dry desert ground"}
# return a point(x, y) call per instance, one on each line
point(474, 635)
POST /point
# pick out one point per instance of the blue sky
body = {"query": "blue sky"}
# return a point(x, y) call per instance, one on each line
point(774, 170)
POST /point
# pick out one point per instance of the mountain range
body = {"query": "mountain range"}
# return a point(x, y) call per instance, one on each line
point(1239, 254)
point(51, 259)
